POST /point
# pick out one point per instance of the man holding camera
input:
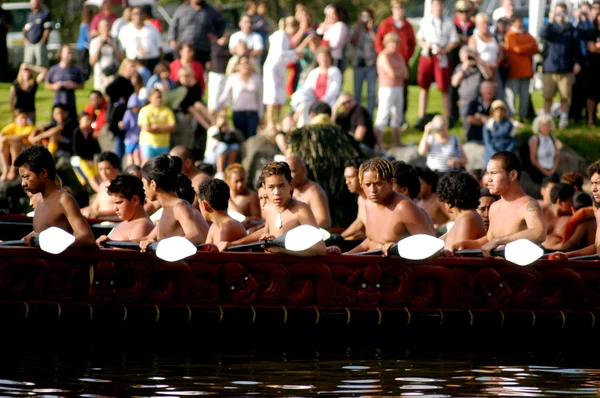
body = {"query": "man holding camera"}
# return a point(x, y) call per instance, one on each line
point(397, 23)
point(467, 77)
point(437, 37)
point(141, 41)
point(562, 60)
point(363, 39)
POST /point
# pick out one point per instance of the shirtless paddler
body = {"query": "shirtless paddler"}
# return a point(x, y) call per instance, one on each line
point(282, 212)
point(516, 215)
point(390, 215)
point(57, 208)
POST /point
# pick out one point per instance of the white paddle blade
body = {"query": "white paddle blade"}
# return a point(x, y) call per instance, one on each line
point(449, 226)
point(419, 247)
point(55, 240)
point(326, 234)
point(236, 216)
point(522, 252)
point(302, 238)
point(175, 248)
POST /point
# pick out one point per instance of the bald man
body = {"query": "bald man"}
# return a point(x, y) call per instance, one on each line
point(309, 192)
point(189, 168)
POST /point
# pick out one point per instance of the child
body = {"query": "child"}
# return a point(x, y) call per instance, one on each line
point(274, 94)
point(222, 145)
point(57, 208)
point(132, 131)
point(127, 195)
point(97, 111)
point(214, 196)
point(24, 88)
point(179, 218)
point(498, 132)
point(186, 60)
point(85, 146)
point(156, 122)
point(240, 50)
point(12, 139)
point(109, 166)
point(160, 79)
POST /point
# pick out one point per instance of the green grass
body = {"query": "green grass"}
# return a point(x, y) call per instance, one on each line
point(579, 137)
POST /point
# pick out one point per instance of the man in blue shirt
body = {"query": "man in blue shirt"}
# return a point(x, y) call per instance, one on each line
point(36, 32)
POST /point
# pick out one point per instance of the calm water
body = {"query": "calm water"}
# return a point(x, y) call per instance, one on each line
point(345, 373)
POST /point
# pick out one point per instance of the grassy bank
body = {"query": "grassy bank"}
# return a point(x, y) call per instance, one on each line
point(582, 139)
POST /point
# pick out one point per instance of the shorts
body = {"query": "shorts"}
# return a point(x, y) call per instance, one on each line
point(429, 70)
point(561, 82)
point(130, 148)
point(391, 107)
point(36, 54)
point(220, 149)
point(150, 152)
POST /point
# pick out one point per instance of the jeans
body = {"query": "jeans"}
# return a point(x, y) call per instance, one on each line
point(246, 122)
point(119, 146)
point(520, 88)
point(368, 73)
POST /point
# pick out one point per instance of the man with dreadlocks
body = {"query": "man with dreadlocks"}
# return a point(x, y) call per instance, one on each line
point(391, 216)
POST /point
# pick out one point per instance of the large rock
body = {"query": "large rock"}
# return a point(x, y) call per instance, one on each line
point(569, 160)
point(256, 152)
point(408, 154)
point(475, 154)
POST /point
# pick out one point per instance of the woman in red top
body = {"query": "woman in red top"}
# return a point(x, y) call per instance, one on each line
point(186, 58)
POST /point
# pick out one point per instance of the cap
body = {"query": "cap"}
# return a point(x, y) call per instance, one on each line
point(462, 5)
point(497, 104)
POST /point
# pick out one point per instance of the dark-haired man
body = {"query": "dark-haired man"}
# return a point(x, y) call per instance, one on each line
point(406, 182)
point(391, 216)
point(213, 196)
point(428, 198)
point(516, 215)
point(282, 212)
point(309, 192)
point(109, 166)
point(189, 167)
point(127, 194)
point(356, 230)
point(57, 208)
point(557, 215)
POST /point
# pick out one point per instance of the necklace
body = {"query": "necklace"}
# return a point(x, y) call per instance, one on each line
point(279, 221)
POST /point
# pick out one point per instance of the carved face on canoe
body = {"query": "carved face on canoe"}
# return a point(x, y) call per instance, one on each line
point(103, 287)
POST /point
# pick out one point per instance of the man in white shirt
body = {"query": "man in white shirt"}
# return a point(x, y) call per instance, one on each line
point(437, 37)
point(120, 22)
point(506, 11)
point(253, 40)
point(141, 41)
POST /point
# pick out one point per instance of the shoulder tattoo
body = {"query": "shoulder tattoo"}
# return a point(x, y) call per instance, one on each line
point(532, 206)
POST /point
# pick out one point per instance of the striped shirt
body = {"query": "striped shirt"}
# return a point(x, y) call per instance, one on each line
point(439, 153)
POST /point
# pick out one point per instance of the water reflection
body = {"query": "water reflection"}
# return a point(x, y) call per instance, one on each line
point(306, 374)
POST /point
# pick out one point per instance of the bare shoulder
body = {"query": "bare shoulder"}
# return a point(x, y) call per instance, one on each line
point(532, 205)
point(298, 206)
point(67, 200)
point(182, 207)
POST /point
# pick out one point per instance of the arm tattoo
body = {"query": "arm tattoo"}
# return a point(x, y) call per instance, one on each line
point(532, 206)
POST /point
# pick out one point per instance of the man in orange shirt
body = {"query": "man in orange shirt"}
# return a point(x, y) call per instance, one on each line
point(520, 48)
point(398, 23)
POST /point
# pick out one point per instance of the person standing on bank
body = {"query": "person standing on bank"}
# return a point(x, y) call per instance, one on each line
point(36, 31)
point(141, 40)
point(199, 23)
point(5, 25)
point(363, 38)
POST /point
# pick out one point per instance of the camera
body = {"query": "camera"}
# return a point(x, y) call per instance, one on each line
point(365, 20)
point(471, 58)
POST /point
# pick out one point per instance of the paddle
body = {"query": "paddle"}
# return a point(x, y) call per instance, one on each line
point(170, 249)
point(239, 217)
point(298, 239)
point(520, 252)
point(415, 247)
point(52, 240)
point(589, 257)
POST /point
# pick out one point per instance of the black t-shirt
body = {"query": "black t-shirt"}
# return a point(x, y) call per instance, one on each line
point(219, 57)
point(194, 94)
point(25, 98)
point(475, 133)
point(593, 35)
point(120, 88)
point(358, 116)
point(85, 145)
point(5, 20)
point(65, 145)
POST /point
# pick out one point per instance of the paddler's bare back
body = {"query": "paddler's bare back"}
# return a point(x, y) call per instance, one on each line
point(555, 230)
point(244, 203)
point(507, 218)
point(294, 215)
point(168, 225)
point(433, 208)
point(50, 212)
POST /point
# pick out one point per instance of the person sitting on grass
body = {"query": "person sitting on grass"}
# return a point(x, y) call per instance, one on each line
point(109, 166)
point(214, 198)
point(57, 136)
point(127, 195)
point(459, 192)
point(222, 145)
point(56, 208)
point(12, 139)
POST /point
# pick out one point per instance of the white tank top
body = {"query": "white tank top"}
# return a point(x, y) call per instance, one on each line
point(546, 152)
point(488, 51)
